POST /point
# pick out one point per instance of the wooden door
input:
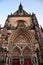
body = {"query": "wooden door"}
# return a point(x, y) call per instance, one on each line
point(27, 62)
point(15, 62)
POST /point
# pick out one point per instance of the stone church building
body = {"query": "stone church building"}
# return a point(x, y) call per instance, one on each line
point(21, 39)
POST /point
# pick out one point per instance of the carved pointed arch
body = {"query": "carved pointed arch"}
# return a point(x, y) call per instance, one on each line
point(29, 35)
point(16, 51)
point(26, 51)
point(21, 38)
point(21, 23)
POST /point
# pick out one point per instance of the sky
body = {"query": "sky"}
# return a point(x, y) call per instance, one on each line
point(10, 6)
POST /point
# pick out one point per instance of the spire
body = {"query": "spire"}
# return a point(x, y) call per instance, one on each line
point(20, 7)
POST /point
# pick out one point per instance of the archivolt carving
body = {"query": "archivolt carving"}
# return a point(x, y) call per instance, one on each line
point(16, 33)
point(16, 51)
point(21, 40)
point(30, 36)
point(26, 51)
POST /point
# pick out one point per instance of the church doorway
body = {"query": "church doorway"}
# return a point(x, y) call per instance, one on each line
point(15, 62)
point(21, 60)
point(18, 62)
point(27, 62)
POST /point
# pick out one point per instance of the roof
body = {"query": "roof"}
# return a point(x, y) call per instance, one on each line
point(19, 12)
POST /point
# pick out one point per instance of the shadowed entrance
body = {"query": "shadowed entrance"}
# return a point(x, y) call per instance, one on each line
point(15, 62)
point(27, 62)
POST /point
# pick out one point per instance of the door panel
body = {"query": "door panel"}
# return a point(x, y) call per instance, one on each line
point(15, 62)
point(27, 62)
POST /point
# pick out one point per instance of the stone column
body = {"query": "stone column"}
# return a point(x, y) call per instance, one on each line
point(9, 61)
point(21, 61)
point(6, 60)
point(34, 55)
point(34, 59)
point(37, 53)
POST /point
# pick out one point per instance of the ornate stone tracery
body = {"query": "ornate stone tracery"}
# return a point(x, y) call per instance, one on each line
point(16, 51)
point(26, 51)
point(27, 38)
point(30, 36)
point(21, 38)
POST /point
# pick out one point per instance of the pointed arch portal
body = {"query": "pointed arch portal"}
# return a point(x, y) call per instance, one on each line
point(21, 52)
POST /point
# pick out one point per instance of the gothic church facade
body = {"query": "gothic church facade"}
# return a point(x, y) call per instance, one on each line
point(22, 37)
